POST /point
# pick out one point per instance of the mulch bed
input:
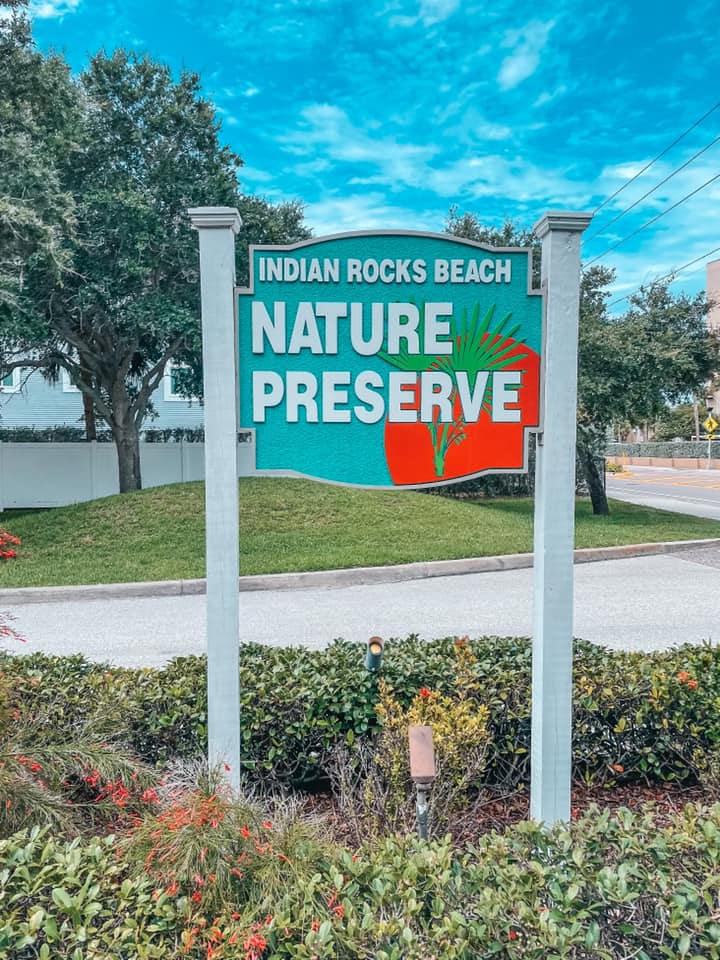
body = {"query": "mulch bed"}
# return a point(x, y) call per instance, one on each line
point(495, 813)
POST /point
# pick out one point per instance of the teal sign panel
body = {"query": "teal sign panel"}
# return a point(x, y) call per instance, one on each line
point(390, 359)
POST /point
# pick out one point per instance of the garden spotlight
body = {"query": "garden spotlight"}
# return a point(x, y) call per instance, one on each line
point(374, 655)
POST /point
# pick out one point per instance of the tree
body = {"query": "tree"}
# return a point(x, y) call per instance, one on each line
point(39, 105)
point(629, 367)
point(144, 148)
point(678, 421)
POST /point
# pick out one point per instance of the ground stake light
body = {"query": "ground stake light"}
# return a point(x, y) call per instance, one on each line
point(422, 771)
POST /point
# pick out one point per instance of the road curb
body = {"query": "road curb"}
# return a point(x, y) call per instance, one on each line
point(329, 579)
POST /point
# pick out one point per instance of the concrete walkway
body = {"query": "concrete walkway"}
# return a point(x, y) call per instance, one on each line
point(640, 603)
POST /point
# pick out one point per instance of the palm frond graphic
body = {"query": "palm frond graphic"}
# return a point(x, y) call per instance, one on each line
point(477, 345)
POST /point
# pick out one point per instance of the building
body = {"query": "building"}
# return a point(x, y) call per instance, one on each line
point(28, 400)
point(712, 288)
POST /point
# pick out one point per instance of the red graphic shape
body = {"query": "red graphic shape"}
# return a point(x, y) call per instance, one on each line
point(412, 457)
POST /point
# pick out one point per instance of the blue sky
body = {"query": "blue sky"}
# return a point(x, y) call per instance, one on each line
point(384, 113)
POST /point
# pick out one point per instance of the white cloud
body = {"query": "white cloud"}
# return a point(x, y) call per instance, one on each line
point(547, 96)
point(53, 9)
point(329, 129)
point(251, 91)
point(429, 12)
point(527, 44)
point(366, 211)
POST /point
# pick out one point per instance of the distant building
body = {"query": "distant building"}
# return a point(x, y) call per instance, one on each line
point(28, 400)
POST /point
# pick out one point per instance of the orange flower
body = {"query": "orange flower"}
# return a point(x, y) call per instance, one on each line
point(618, 768)
point(692, 684)
point(424, 693)
point(683, 676)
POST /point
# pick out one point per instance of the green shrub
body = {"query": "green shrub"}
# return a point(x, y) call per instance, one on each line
point(666, 449)
point(634, 720)
point(604, 887)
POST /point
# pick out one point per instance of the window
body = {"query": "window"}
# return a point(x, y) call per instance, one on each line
point(67, 384)
point(170, 387)
point(10, 383)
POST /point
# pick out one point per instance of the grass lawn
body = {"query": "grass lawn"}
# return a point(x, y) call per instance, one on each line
point(288, 525)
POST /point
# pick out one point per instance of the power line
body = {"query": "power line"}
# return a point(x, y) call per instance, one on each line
point(658, 157)
point(652, 190)
point(654, 219)
point(667, 276)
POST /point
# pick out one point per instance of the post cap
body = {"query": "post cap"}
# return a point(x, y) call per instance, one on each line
point(204, 218)
point(568, 220)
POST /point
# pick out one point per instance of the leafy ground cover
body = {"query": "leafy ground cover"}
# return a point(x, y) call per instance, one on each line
point(295, 525)
point(116, 843)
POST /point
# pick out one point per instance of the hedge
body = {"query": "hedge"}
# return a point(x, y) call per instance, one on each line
point(691, 449)
point(66, 434)
point(606, 888)
point(638, 717)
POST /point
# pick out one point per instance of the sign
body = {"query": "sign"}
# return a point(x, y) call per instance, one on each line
point(710, 424)
point(390, 359)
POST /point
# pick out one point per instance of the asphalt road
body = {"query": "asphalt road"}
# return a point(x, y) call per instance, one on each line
point(696, 492)
point(642, 603)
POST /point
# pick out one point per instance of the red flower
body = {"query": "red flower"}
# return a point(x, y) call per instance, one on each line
point(244, 832)
point(424, 693)
point(512, 935)
point(692, 684)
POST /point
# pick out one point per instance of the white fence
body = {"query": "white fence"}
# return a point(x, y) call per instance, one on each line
point(55, 474)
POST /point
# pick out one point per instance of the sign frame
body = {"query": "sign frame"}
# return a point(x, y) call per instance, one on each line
point(530, 291)
point(560, 233)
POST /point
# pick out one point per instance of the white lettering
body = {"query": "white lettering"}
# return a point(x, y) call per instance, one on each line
point(472, 403)
point(331, 313)
point(502, 395)
point(435, 390)
point(435, 328)
point(332, 380)
point(407, 331)
point(301, 390)
point(366, 348)
point(268, 389)
point(364, 383)
point(272, 329)
point(305, 335)
point(399, 381)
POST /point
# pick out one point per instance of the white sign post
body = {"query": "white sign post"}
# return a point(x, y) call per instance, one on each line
point(217, 227)
point(551, 737)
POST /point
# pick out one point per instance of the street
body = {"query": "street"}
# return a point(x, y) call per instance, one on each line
point(642, 603)
point(696, 492)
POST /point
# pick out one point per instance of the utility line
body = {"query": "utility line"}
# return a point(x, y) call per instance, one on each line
point(652, 190)
point(658, 157)
point(667, 276)
point(654, 219)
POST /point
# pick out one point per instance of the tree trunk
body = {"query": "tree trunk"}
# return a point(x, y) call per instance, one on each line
point(598, 498)
point(127, 443)
point(89, 417)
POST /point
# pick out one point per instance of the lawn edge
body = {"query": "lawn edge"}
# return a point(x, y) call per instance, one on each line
point(351, 576)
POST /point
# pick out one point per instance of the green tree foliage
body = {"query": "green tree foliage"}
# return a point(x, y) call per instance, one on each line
point(38, 109)
point(140, 148)
point(629, 367)
point(678, 421)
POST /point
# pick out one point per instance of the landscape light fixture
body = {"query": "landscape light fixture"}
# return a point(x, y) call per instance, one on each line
point(374, 654)
point(423, 771)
